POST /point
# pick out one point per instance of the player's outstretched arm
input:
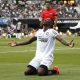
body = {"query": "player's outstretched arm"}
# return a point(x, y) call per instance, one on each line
point(32, 39)
point(63, 41)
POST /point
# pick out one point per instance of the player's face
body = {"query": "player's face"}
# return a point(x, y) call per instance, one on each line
point(48, 5)
point(47, 22)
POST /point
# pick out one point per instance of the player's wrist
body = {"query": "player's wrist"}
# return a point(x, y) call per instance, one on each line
point(17, 44)
point(67, 43)
point(70, 45)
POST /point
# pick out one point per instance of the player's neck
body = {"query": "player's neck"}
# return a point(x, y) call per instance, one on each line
point(45, 28)
point(49, 8)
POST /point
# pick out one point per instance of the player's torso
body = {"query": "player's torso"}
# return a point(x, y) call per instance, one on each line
point(44, 36)
point(44, 40)
point(45, 43)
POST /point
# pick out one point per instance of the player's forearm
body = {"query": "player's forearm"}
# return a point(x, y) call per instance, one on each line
point(25, 42)
point(65, 42)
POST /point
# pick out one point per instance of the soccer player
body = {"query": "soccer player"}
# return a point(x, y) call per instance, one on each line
point(49, 12)
point(44, 52)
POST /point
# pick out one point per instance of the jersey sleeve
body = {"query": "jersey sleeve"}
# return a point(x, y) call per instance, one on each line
point(54, 33)
point(37, 32)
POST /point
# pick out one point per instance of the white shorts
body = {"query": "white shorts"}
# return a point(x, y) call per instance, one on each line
point(36, 62)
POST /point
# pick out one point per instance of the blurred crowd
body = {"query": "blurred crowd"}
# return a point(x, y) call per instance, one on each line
point(32, 9)
point(18, 31)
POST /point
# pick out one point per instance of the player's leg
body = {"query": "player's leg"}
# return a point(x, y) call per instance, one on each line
point(32, 67)
point(43, 69)
point(54, 71)
point(30, 70)
point(44, 65)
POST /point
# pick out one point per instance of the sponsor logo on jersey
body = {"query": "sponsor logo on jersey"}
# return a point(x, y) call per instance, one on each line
point(43, 39)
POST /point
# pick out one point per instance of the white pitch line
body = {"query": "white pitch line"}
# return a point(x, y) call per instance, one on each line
point(18, 51)
point(68, 49)
point(35, 50)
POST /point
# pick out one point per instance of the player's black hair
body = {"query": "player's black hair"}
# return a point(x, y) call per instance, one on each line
point(48, 22)
point(51, 22)
point(48, 2)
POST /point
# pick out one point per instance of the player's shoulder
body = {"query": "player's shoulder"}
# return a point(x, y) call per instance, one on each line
point(52, 31)
point(39, 30)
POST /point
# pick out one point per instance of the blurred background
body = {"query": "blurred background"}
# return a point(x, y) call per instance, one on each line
point(20, 18)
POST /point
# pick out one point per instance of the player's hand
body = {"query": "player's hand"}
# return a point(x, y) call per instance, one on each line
point(71, 44)
point(12, 44)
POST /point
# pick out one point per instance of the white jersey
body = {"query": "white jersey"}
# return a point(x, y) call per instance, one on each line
point(45, 43)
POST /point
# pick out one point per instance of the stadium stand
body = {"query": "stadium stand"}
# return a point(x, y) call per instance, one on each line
point(32, 9)
point(26, 9)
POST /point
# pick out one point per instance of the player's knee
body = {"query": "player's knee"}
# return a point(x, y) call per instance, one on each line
point(42, 71)
point(30, 71)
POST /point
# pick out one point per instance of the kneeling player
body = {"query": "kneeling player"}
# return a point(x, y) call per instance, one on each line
point(44, 52)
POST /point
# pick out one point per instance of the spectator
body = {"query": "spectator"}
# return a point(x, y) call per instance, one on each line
point(32, 9)
point(49, 12)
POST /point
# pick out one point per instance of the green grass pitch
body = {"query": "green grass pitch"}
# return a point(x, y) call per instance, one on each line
point(13, 61)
